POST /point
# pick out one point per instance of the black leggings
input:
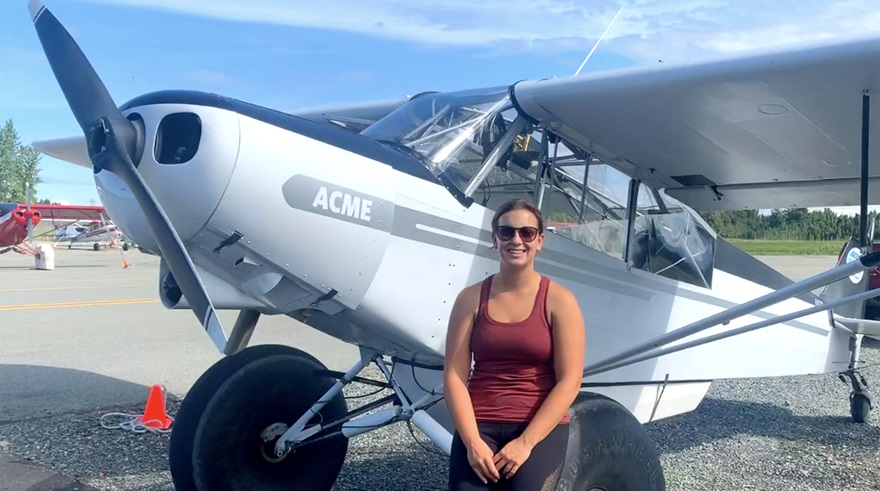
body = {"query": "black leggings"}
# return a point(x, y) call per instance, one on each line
point(539, 472)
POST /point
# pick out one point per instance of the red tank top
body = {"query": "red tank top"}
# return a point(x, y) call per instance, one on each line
point(513, 362)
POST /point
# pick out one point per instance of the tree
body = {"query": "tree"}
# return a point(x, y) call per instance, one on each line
point(785, 224)
point(18, 166)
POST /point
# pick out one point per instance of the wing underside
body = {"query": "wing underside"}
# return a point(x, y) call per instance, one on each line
point(770, 130)
point(70, 212)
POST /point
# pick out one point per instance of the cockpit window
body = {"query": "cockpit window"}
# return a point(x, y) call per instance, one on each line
point(451, 133)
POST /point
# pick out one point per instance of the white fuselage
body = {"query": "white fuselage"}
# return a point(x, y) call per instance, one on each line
point(397, 250)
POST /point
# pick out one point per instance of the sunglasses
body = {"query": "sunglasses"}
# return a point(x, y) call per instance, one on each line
point(506, 232)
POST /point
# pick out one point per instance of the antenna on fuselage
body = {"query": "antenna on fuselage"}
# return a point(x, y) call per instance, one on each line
point(598, 41)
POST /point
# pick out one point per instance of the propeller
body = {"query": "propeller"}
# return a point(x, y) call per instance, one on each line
point(115, 143)
point(29, 216)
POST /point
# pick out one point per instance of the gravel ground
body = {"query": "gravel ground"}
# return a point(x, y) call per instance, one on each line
point(775, 433)
point(767, 434)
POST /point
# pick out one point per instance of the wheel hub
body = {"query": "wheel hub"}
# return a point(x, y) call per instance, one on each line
point(269, 436)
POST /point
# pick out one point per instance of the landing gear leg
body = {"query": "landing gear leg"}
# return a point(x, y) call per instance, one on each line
point(859, 399)
point(241, 332)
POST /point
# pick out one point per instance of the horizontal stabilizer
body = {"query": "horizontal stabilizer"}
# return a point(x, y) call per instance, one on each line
point(72, 149)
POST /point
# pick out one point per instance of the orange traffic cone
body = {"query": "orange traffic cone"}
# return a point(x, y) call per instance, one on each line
point(154, 414)
point(125, 263)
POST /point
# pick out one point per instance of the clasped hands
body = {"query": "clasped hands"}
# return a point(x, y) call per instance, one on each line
point(505, 463)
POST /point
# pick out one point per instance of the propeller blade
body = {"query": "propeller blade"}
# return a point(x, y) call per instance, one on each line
point(113, 142)
point(30, 217)
point(83, 89)
point(170, 245)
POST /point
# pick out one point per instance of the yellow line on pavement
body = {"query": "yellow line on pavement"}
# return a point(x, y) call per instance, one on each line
point(72, 288)
point(45, 280)
point(91, 303)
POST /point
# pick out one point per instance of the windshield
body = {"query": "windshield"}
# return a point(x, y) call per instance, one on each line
point(450, 132)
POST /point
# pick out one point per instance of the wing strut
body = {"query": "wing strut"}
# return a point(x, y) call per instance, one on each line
point(651, 348)
point(863, 212)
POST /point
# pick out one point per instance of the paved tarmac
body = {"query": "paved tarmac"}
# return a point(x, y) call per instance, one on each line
point(799, 267)
point(92, 334)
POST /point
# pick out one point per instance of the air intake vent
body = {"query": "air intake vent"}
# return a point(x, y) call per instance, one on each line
point(178, 137)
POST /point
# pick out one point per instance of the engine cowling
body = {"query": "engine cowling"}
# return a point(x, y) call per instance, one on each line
point(223, 295)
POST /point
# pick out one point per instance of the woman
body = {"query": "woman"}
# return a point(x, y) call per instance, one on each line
point(526, 335)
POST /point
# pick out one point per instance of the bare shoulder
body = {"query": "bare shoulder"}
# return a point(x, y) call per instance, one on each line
point(468, 299)
point(561, 302)
point(560, 296)
point(462, 317)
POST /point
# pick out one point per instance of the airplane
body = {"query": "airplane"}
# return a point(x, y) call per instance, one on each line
point(17, 222)
point(96, 232)
point(387, 207)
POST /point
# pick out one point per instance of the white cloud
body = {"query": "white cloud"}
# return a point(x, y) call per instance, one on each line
point(647, 30)
point(211, 77)
point(847, 210)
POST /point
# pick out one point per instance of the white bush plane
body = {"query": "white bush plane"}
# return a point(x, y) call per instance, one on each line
point(387, 210)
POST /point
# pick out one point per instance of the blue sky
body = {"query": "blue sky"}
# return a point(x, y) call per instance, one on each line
point(288, 57)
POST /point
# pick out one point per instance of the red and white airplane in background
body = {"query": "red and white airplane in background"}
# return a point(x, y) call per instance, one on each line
point(96, 232)
point(17, 221)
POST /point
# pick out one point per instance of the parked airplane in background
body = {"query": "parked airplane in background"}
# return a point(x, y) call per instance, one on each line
point(17, 221)
point(96, 232)
point(387, 215)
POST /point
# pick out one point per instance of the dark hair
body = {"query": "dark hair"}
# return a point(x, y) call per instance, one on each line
point(518, 204)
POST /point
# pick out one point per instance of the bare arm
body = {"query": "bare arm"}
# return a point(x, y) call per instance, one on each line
point(457, 367)
point(568, 349)
point(455, 376)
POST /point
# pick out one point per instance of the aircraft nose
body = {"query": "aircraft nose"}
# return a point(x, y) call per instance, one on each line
point(189, 155)
point(21, 216)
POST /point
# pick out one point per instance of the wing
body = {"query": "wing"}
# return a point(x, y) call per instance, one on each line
point(69, 212)
point(776, 129)
point(71, 149)
point(353, 117)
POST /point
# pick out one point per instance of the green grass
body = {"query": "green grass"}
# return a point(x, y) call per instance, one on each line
point(789, 247)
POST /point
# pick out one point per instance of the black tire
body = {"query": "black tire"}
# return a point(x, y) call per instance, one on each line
point(276, 389)
point(126, 246)
point(608, 450)
point(186, 421)
point(860, 408)
point(96, 246)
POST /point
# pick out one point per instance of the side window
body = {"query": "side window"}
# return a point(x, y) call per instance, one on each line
point(670, 240)
point(593, 214)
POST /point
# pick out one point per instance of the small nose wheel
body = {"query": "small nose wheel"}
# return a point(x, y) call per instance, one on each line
point(859, 399)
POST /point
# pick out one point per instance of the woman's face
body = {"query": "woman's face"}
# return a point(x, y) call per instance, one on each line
point(519, 248)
